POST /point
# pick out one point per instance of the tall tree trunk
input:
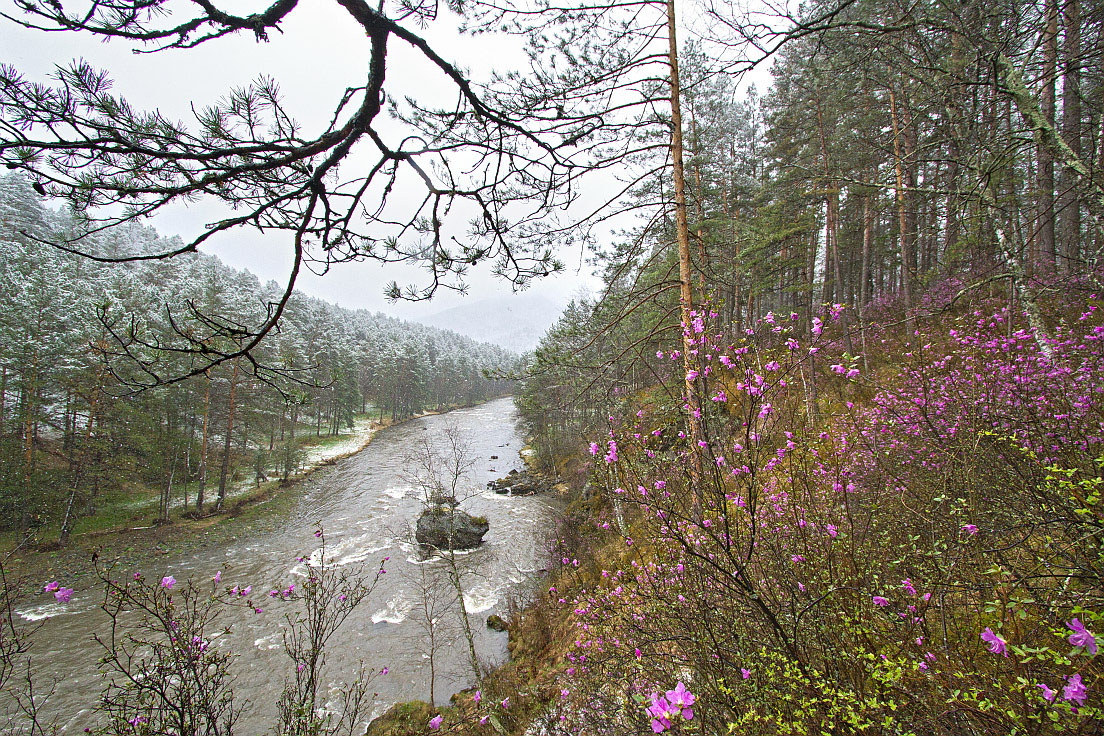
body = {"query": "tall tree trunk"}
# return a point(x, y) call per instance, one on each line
point(78, 469)
point(868, 242)
point(1044, 176)
point(229, 434)
point(1069, 204)
point(902, 215)
point(203, 452)
point(682, 235)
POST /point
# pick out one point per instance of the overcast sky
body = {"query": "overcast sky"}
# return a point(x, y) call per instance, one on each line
point(318, 55)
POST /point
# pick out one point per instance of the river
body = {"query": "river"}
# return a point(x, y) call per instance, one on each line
point(368, 506)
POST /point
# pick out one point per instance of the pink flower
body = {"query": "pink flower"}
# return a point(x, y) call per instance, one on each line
point(970, 529)
point(997, 645)
point(63, 595)
point(51, 587)
point(168, 582)
point(681, 698)
point(746, 673)
point(831, 530)
point(218, 576)
point(436, 721)
point(478, 696)
point(1082, 637)
point(506, 702)
point(1075, 690)
point(1048, 694)
point(880, 601)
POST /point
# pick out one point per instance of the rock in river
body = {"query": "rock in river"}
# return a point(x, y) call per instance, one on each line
point(525, 483)
point(446, 528)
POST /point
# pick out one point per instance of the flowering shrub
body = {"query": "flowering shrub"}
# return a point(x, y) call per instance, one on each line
point(838, 555)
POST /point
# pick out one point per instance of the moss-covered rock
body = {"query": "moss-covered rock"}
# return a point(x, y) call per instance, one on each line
point(403, 719)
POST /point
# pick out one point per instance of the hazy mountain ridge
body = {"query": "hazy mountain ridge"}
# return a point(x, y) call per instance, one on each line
point(516, 323)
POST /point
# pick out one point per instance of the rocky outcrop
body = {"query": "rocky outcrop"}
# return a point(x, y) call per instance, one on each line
point(444, 528)
point(524, 483)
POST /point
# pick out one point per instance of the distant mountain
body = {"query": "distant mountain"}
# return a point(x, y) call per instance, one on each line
point(514, 322)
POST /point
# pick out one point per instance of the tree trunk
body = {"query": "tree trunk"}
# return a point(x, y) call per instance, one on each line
point(229, 435)
point(682, 235)
point(1069, 204)
point(203, 452)
point(902, 215)
point(868, 242)
point(1044, 175)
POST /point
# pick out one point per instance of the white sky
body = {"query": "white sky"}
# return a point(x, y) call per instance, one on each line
point(319, 53)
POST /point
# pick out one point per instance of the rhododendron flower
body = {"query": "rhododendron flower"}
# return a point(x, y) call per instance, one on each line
point(1075, 690)
point(168, 582)
point(818, 325)
point(746, 673)
point(853, 373)
point(907, 585)
point(51, 586)
point(593, 448)
point(478, 696)
point(506, 702)
point(660, 711)
point(997, 645)
point(681, 698)
point(1048, 694)
point(218, 576)
point(970, 529)
point(63, 595)
point(691, 376)
point(880, 601)
point(1082, 637)
point(436, 721)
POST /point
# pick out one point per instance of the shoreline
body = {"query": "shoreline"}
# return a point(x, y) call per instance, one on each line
point(256, 509)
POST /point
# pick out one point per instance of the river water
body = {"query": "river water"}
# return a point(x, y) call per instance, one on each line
point(368, 505)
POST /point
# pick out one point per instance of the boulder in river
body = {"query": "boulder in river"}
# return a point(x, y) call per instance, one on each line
point(525, 483)
point(450, 528)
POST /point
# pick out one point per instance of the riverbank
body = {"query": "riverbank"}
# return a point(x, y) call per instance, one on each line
point(367, 504)
point(250, 508)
